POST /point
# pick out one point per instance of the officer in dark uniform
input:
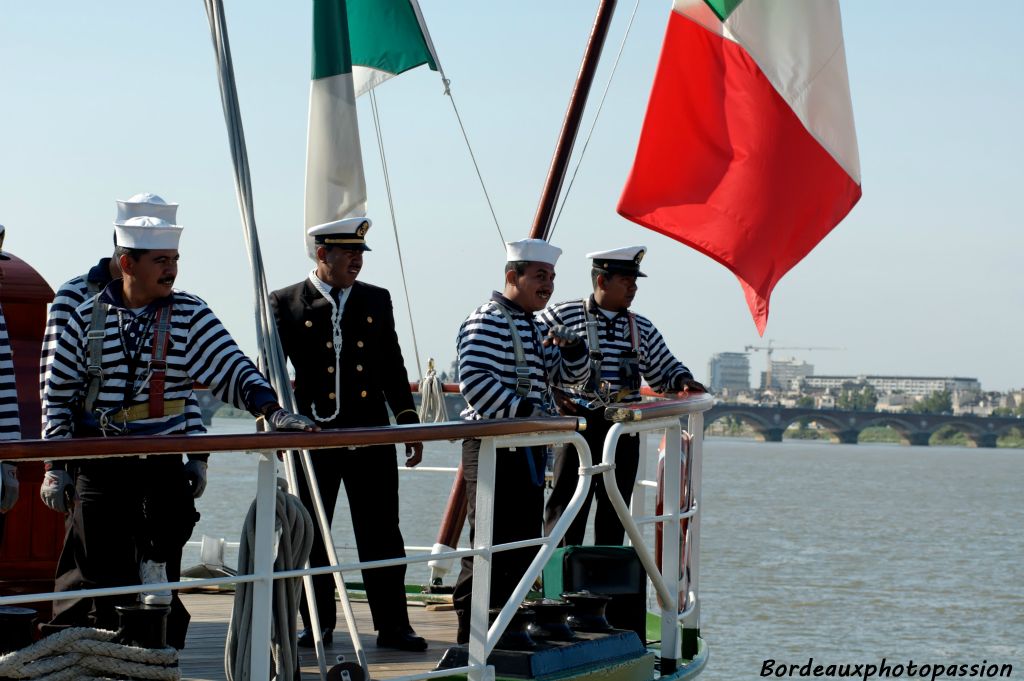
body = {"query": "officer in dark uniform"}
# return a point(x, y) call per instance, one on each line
point(339, 334)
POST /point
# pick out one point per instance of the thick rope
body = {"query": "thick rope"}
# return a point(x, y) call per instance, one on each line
point(294, 531)
point(432, 406)
point(593, 125)
point(83, 653)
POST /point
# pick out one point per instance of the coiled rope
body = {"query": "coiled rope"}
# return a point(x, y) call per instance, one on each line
point(83, 654)
point(432, 406)
point(293, 529)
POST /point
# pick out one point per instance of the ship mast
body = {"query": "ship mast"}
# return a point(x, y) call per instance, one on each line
point(541, 228)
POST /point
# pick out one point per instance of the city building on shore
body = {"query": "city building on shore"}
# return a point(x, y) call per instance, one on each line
point(914, 386)
point(729, 373)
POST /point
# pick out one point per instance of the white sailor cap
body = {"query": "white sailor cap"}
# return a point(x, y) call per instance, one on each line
point(146, 204)
point(3, 256)
point(347, 233)
point(147, 232)
point(531, 250)
point(620, 260)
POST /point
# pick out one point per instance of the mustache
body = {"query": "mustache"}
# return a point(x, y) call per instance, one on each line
point(165, 281)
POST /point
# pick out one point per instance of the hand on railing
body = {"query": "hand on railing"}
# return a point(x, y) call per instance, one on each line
point(58, 489)
point(285, 420)
point(413, 454)
point(687, 384)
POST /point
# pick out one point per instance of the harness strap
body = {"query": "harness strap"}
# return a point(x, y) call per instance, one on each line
point(94, 367)
point(523, 382)
point(158, 361)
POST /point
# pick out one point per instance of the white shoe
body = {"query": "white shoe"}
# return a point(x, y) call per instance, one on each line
point(151, 572)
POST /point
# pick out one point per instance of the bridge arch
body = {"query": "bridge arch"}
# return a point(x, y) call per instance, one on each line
point(903, 428)
point(839, 430)
point(976, 435)
point(764, 429)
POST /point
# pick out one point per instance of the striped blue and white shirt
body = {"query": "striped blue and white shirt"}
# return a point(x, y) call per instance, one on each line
point(487, 362)
point(10, 426)
point(657, 364)
point(199, 350)
point(69, 296)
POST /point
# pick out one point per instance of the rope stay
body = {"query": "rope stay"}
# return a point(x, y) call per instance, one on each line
point(593, 125)
point(394, 224)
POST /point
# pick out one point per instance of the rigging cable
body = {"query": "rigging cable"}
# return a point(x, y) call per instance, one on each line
point(394, 226)
point(593, 125)
point(472, 156)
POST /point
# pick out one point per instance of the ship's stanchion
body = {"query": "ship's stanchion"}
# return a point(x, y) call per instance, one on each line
point(482, 539)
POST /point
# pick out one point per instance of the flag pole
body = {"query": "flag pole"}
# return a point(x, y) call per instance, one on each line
point(570, 125)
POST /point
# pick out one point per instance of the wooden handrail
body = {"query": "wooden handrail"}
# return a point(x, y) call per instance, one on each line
point(130, 445)
point(647, 411)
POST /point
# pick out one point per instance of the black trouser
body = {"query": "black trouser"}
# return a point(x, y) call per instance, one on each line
point(518, 515)
point(128, 510)
point(608, 529)
point(370, 475)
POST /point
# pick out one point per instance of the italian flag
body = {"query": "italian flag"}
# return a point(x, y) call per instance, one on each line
point(357, 44)
point(748, 151)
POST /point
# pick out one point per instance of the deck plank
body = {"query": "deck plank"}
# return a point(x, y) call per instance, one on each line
point(203, 656)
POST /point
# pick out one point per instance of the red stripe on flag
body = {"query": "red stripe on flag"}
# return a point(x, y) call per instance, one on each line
point(725, 166)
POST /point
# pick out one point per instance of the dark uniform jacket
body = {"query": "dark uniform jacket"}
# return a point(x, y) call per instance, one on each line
point(373, 374)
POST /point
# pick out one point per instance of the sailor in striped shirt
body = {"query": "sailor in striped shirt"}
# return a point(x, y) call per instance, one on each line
point(489, 357)
point(10, 425)
point(623, 347)
point(127, 526)
point(74, 292)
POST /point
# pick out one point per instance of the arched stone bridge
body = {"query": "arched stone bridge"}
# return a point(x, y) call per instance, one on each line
point(845, 426)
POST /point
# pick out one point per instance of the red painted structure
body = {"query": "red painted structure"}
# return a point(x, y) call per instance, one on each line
point(33, 534)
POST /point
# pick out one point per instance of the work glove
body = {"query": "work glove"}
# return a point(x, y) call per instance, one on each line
point(285, 420)
point(195, 475)
point(58, 487)
point(562, 336)
point(687, 383)
point(9, 486)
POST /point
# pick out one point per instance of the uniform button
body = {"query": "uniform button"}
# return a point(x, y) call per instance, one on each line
point(369, 320)
point(330, 370)
point(308, 323)
point(362, 394)
point(359, 367)
point(359, 344)
point(331, 396)
point(330, 345)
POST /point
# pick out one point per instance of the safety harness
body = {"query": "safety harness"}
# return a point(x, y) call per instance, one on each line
point(523, 382)
point(595, 385)
point(155, 406)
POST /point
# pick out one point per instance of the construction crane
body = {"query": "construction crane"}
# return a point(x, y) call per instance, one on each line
point(770, 347)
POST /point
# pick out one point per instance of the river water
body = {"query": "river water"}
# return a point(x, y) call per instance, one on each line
point(845, 553)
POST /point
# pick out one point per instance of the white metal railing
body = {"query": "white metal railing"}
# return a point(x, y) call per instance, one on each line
point(482, 638)
point(673, 578)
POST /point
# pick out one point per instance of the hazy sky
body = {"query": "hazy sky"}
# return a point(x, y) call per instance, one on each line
point(103, 100)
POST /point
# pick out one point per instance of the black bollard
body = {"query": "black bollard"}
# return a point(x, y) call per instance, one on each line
point(516, 636)
point(550, 620)
point(588, 611)
point(143, 626)
point(15, 628)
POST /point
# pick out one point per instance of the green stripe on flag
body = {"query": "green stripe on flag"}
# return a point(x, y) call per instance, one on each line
point(723, 8)
point(331, 51)
point(385, 35)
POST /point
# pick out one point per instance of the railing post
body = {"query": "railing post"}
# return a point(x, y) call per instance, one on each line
point(483, 535)
point(670, 644)
point(638, 503)
point(263, 566)
point(691, 624)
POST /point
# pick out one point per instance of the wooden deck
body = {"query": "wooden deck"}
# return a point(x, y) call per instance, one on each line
point(203, 656)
